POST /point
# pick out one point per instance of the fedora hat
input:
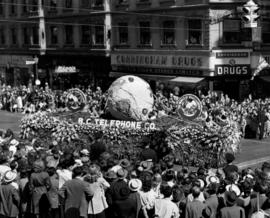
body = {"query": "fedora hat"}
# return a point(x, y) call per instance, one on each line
point(85, 152)
point(110, 175)
point(9, 176)
point(124, 163)
point(14, 142)
point(230, 197)
point(135, 185)
point(233, 188)
point(212, 179)
point(121, 173)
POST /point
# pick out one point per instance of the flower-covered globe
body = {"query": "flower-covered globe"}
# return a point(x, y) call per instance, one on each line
point(130, 98)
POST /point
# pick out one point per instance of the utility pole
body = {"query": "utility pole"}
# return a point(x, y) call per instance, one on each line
point(108, 24)
point(42, 32)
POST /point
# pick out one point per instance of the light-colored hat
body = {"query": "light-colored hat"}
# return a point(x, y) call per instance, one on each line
point(212, 179)
point(201, 183)
point(85, 152)
point(135, 185)
point(14, 142)
point(9, 176)
point(233, 188)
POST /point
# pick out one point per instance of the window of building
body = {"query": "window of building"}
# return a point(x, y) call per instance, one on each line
point(2, 36)
point(34, 5)
point(168, 37)
point(97, 3)
point(145, 33)
point(54, 34)
point(99, 35)
point(195, 32)
point(12, 7)
point(69, 34)
point(24, 6)
point(231, 31)
point(68, 4)
point(1, 7)
point(85, 3)
point(123, 2)
point(53, 5)
point(266, 32)
point(26, 37)
point(13, 36)
point(86, 35)
point(35, 36)
point(123, 33)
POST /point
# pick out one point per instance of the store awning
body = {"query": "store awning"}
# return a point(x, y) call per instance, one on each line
point(144, 76)
point(189, 80)
point(265, 78)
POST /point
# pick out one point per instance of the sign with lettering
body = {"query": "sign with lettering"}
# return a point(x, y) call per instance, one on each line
point(150, 70)
point(161, 61)
point(118, 123)
point(66, 69)
point(232, 55)
point(232, 70)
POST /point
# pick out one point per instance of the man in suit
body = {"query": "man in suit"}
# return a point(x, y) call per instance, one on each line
point(231, 210)
point(195, 208)
point(76, 193)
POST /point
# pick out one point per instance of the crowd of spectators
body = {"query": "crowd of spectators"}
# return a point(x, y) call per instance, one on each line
point(82, 183)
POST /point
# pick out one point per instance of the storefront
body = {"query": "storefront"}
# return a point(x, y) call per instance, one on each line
point(231, 72)
point(14, 71)
point(186, 70)
point(64, 72)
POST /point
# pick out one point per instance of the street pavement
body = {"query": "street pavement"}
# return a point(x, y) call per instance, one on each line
point(253, 152)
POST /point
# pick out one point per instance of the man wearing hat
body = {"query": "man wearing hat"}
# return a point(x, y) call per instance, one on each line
point(230, 167)
point(10, 198)
point(231, 210)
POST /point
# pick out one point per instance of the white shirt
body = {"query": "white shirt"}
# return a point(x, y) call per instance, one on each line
point(165, 208)
point(201, 198)
point(148, 199)
point(64, 175)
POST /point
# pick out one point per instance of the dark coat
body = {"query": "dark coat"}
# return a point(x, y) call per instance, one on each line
point(126, 208)
point(39, 184)
point(232, 212)
point(10, 201)
point(75, 193)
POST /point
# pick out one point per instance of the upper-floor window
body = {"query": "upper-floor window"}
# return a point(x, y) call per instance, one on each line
point(53, 5)
point(86, 35)
point(34, 5)
point(54, 34)
point(26, 36)
point(168, 37)
point(68, 4)
point(12, 7)
point(195, 32)
point(85, 4)
point(69, 34)
point(123, 33)
point(99, 35)
point(123, 2)
point(231, 31)
point(98, 3)
point(1, 7)
point(24, 7)
point(13, 36)
point(145, 33)
point(2, 37)
point(266, 32)
point(35, 36)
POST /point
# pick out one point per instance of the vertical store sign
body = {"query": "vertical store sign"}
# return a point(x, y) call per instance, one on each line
point(42, 33)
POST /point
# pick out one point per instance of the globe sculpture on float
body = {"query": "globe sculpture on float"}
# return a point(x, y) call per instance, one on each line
point(130, 98)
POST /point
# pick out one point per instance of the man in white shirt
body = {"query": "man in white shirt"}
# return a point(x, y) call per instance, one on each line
point(165, 208)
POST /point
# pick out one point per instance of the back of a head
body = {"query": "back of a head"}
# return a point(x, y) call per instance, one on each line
point(166, 190)
point(196, 192)
point(261, 188)
point(77, 171)
point(212, 188)
point(177, 194)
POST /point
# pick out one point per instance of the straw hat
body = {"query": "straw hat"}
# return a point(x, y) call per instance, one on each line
point(9, 176)
point(135, 185)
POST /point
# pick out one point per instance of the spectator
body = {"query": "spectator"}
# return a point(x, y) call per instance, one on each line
point(195, 208)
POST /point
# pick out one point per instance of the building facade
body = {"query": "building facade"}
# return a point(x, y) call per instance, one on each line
point(62, 42)
point(192, 44)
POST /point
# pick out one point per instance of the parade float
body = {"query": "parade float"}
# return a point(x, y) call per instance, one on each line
point(181, 130)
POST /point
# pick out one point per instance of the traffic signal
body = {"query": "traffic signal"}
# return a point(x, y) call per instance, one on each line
point(250, 16)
